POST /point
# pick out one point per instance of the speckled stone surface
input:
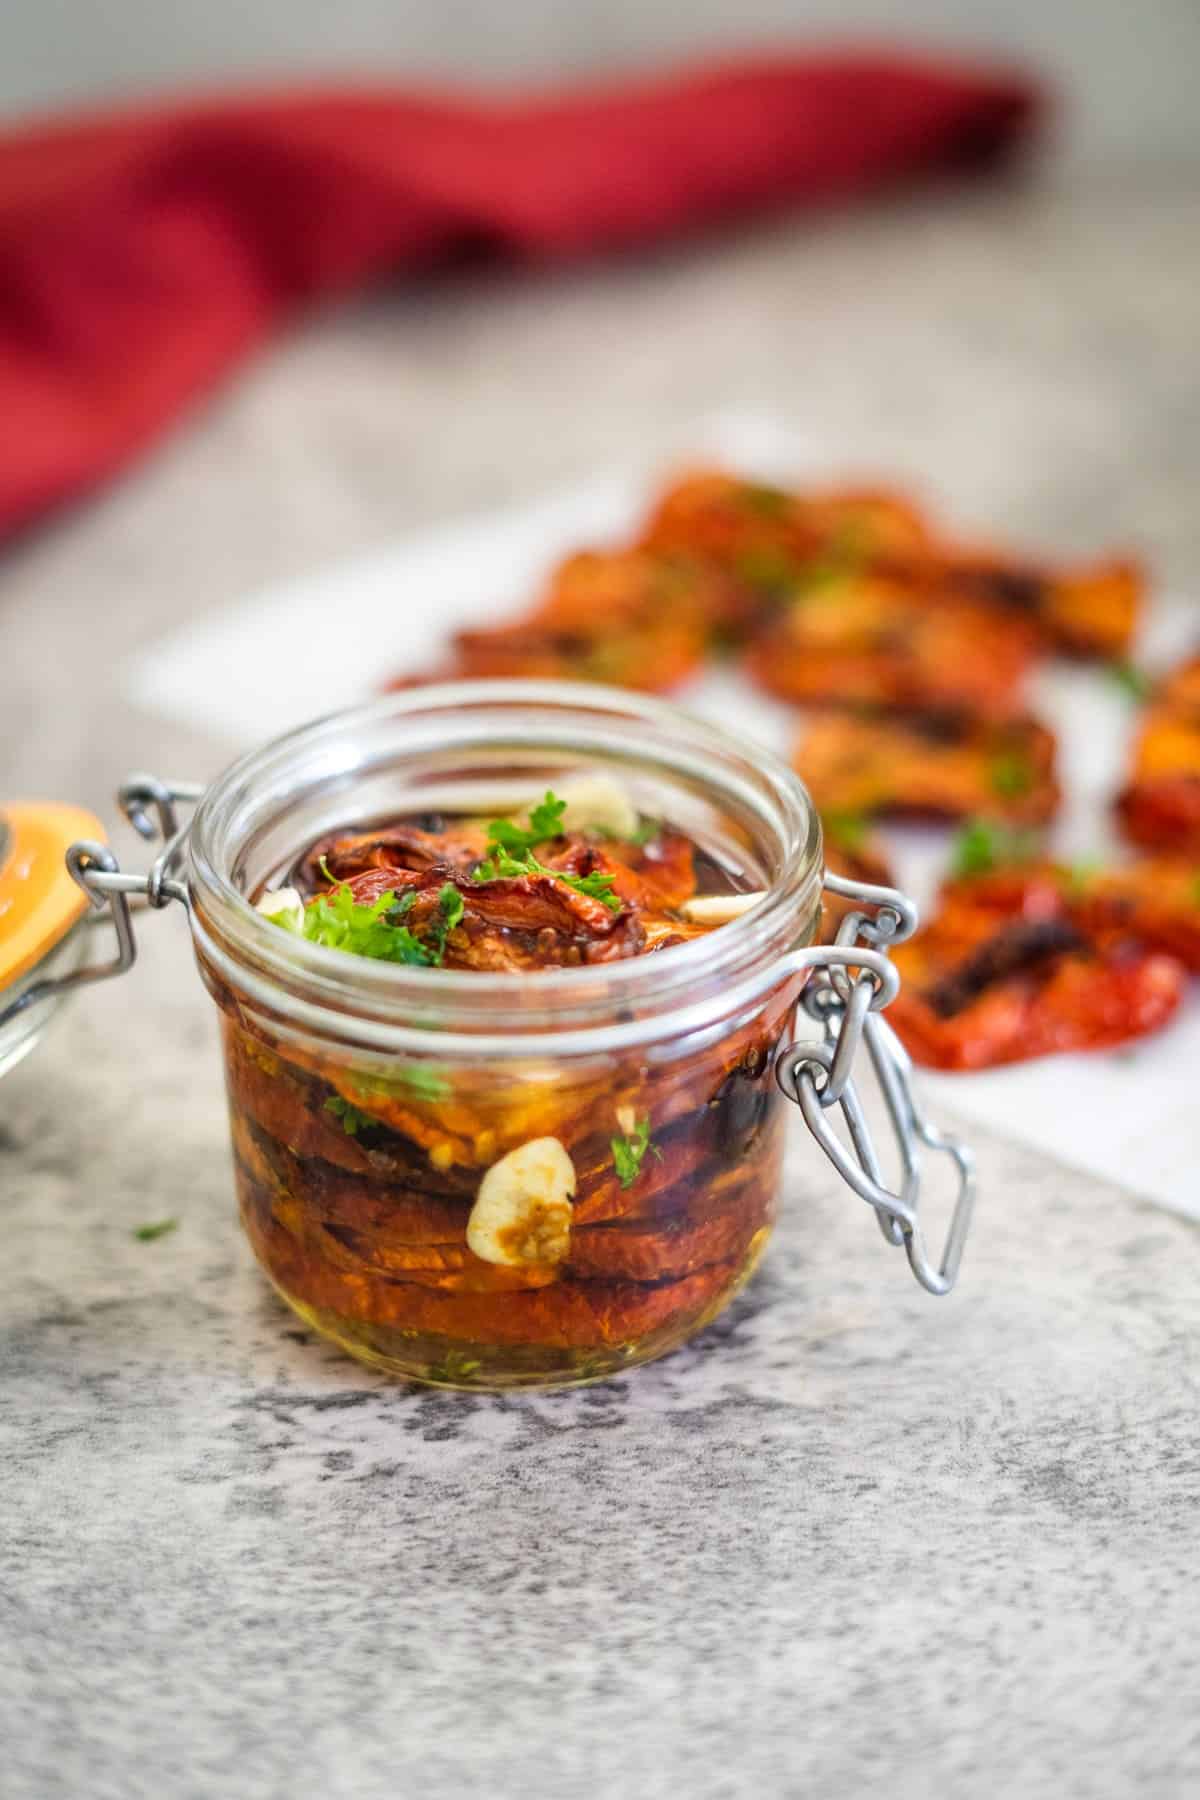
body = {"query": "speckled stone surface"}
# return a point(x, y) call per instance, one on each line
point(854, 1541)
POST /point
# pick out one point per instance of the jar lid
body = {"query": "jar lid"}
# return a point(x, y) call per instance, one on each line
point(39, 901)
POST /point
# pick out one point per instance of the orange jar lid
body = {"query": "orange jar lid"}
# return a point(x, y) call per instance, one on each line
point(39, 901)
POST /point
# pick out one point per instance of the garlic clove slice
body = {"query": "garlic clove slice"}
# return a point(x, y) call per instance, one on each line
point(719, 909)
point(522, 1212)
point(283, 906)
point(598, 803)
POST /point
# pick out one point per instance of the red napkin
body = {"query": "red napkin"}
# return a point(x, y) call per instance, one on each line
point(144, 252)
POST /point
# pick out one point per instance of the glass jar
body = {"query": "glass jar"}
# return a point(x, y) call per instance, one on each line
point(368, 1100)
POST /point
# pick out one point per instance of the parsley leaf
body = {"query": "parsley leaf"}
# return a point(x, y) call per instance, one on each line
point(1134, 681)
point(545, 821)
point(982, 846)
point(425, 1081)
point(770, 572)
point(768, 502)
point(339, 922)
point(643, 833)
point(146, 1234)
point(502, 867)
point(510, 853)
point(353, 1119)
point(848, 830)
point(1078, 877)
point(450, 903)
point(1011, 774)
point(629, 1152)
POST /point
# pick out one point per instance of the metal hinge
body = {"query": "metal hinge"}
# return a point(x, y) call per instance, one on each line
point(845, 999)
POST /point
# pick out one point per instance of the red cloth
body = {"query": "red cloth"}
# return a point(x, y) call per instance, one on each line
point(144, 252)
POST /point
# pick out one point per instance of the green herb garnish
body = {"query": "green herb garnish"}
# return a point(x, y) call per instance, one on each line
point(768, 502)
point(545, 821)
point(454, 1366)
point(982, 846)
point(629, 1152)
point(769, 571)
point(643, 833)
point(1134, 681)
point(425, 1081)
point(846, 829)
point(1011, 774)
point(451, 907)
point(1077, 878)
point(613, 660)
point(502, 866)
point(510, 853)
point(339, 922)
point(146, 1234)
point(842, 557)
point(422, 1081)
point(353, 1119)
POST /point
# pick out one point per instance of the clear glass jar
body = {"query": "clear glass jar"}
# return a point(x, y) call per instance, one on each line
point(363, 1230)
point(369, 1100)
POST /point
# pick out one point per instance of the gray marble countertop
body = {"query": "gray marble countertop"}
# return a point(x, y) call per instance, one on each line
point(852, 1541)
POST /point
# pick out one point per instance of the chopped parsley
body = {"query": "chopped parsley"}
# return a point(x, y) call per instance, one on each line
point(545, 821)
point(339, 922)
point(982, 846)
point(629, 1152)
point(146, 1234)
point(353, 1119)
point(846, 829)
point(1134, 681)
point(843, 556)
point(1011, 774)
point(451, 908)
point(643, 833)
point(769, 571)
point(510, 853)
point(1077, 878)
point(768, 502)
point(424, 1080)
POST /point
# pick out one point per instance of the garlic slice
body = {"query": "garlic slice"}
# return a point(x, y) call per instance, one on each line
point(598, 803)
point(719, 909)
point(522, 1212)
point(283, 906)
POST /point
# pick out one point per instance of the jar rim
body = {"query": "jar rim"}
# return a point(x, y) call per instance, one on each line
point(407, 1005)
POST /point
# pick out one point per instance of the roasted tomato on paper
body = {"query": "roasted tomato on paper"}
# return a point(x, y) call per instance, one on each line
point(773, 544)
point(1160, 805)
point(1151, 901)
point(1092, 610)
point(870, 641)
point(1015, 965)
point(929, 765)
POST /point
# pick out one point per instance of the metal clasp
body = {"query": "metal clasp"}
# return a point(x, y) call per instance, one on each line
point(845, 998)
point(110, 889)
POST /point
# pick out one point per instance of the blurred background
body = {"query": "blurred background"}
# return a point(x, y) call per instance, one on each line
point(1127, 70)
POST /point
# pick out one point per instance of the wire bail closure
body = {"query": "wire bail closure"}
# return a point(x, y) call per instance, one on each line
point(845, 996)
